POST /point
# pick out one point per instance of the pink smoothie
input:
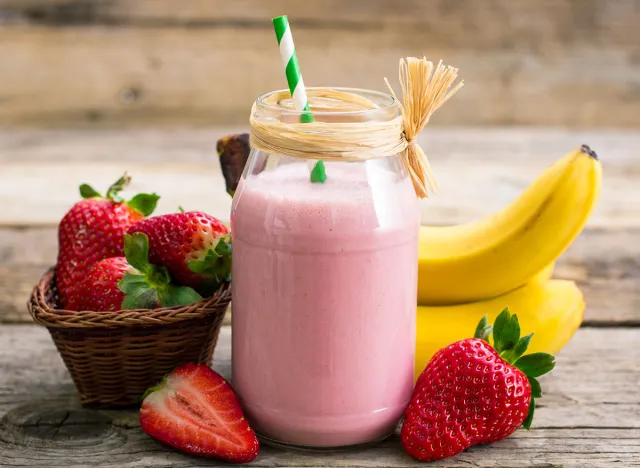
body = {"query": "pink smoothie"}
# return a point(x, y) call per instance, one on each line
point(324, 302)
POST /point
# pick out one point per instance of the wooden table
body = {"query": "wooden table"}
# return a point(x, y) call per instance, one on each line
point(589, 416)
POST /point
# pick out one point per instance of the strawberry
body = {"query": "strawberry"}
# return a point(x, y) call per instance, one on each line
point(99, 290)
point(94, 229)
point(194, 246)
point(195, 410)
point(129, 282)
point(474, 393)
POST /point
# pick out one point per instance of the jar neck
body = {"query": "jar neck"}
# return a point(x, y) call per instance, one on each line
point(329, 105)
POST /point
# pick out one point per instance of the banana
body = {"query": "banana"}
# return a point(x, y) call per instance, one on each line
point(552, 310)
point(543, 275)
point(484, 259)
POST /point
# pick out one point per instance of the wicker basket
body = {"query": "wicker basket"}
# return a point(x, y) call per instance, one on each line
point(113, 357)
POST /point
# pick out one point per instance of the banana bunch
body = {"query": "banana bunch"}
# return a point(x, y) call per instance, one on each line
point(506, 260)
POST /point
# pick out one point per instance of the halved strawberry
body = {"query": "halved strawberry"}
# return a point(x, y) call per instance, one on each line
point(195, 410)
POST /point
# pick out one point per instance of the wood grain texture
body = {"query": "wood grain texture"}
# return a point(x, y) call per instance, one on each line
point(614, 23)
point(147, 62)
point(587, 418)
point(479, 170)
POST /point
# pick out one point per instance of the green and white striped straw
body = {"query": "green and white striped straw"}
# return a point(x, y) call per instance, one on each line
point(296, 85)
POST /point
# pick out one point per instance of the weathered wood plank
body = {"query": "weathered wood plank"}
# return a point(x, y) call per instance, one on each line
point(603, 262)
point(587, 418)
point(479, 171)
point(569, 63)
point(565, 20)
point(192, 186)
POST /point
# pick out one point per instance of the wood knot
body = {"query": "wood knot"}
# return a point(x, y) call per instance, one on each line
point(51, 424)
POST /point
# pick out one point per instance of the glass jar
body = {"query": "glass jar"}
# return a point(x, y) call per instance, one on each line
point(324, 291)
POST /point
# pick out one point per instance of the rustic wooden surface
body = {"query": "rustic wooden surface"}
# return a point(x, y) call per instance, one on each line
point(160, 62)
point(589, 416)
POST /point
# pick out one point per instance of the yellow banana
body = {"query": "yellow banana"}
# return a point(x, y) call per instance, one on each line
point(552, 310)
point(544, 275)
point(484, 259)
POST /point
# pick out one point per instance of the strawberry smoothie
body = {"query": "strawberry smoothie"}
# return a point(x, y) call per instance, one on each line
point(324, 301)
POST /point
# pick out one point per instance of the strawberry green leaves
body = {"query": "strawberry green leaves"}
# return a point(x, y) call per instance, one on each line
point(519, 349)
point(143, 203)
point(506, 331)
point(139, 294)
point(506, 336)
point(532, 408)
point(216, 263)
point(87, 191)
point(179, 295)
point(149, 286)
point(511, 347)
point(536, 364)
point(136, 250)
point(483, 330)
point(536, 390)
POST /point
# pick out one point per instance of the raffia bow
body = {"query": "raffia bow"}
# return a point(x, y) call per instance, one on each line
point(424, 89)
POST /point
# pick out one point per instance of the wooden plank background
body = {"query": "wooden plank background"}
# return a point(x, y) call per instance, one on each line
point(113, 63)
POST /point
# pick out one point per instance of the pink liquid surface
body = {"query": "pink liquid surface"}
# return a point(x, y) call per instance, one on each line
point(324, 302)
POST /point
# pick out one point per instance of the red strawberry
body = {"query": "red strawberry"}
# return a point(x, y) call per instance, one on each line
point(195, 410)
point(474, 393)
point(194, 246)
point(94, 229)
point(129, 283)
point(99, 290)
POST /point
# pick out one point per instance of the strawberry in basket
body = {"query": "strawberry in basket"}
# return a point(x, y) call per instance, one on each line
point(94, 229)
point(195, 247)
point(131, 282)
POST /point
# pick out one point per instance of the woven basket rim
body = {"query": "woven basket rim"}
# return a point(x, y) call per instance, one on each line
point(45, 315)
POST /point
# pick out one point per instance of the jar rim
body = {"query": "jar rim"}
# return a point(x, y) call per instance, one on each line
point(388, 101)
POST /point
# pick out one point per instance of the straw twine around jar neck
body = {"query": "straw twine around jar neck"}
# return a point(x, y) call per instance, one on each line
point(424, 89)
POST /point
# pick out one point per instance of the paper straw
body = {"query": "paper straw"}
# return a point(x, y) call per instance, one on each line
point(295, 82)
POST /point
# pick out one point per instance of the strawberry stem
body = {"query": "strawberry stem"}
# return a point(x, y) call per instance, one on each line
point(117, 187)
